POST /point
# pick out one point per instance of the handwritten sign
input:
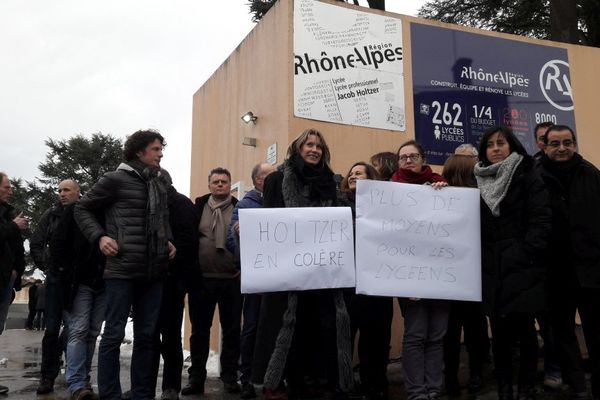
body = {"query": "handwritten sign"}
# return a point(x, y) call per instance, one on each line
point(415, 241)
point(296, 249)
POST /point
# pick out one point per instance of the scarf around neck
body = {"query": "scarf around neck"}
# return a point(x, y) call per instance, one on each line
point(158, 182)
point(493, 181)
point(409, 176)
point(306, 186)
point(218, 226)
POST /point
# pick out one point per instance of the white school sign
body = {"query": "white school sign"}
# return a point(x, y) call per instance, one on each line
point(415, 241)
point(296, 249)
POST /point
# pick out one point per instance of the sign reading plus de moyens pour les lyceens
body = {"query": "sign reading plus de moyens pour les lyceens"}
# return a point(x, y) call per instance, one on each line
point(464, 83)
point(348, 66)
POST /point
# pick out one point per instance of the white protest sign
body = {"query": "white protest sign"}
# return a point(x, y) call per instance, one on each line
point(416, 241)
point(296, 249)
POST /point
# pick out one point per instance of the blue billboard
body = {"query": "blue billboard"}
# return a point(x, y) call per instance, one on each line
point(464, 83)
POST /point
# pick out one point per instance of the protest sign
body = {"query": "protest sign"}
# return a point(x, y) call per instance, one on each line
point(296, 249)
point(416, 241)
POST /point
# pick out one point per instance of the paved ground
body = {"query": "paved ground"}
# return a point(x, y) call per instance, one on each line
point(20, 357)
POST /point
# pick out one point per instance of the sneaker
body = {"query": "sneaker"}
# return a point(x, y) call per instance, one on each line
point(192, 388)
point(46, 386)
point(248, 391)
point(126, 395)
point(3, 389)
point(231, 387)
point(169, 394)
point(552, 382)
point(83, 394)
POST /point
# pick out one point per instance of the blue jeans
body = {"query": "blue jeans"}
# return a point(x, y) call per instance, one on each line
point(5, 296)
point(144, 297)
point(84, 320)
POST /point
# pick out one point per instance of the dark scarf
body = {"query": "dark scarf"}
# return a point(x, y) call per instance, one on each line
point(409, 176)
point(563, 171)
point(307, 186)
point(158, 181)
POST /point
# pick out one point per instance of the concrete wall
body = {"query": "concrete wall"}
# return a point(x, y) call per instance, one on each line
point(258, 77)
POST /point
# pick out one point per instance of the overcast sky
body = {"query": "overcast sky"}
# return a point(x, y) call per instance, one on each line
point(69, 67)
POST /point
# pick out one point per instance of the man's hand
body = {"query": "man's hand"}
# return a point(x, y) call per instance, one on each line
point(172, 251)
point(21, 222)
point(108, 246)
point(236, 228)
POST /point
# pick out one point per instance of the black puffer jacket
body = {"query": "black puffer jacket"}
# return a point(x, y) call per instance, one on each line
point(513, 246)
point(123, 197)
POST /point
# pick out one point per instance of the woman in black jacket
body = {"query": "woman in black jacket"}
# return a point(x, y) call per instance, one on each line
point(515, 226)
point(371, 316)
point(303, 336)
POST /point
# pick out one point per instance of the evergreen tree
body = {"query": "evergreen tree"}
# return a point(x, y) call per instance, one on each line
point(568, 21)
point(80, 158)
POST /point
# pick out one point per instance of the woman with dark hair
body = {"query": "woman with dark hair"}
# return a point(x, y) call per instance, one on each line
point(359, 170)
point(369, 315)
point(303, 336)
point(515, 226)
point(467, 315)
point(425, 320)
point(385, 163)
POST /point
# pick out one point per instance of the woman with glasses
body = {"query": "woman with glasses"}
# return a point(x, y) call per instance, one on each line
point(425, 320)
point(515, 226)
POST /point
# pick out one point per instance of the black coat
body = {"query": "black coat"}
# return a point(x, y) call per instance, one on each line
point(514, 245)
point(184, 221)
point(40, 239)
point(12, 253)
point(74, 258)
point(575, 241)
point(122, 196)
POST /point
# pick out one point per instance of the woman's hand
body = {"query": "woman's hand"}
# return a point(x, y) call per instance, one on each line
point(439, 185)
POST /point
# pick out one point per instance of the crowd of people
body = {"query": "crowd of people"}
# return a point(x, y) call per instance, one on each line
point(133, 246)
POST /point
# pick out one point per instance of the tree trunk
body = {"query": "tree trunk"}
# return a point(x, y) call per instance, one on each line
point(563, 21)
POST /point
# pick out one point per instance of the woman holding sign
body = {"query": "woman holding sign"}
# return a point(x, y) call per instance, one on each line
point(515, 225)
point(303, 336)
point(369, 315)
point(425, 320)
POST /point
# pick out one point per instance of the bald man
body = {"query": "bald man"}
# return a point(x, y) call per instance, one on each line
point(68, 193)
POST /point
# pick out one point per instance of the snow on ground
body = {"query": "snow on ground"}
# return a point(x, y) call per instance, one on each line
point(212, 365)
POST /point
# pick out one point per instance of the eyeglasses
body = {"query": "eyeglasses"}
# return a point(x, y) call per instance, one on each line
point(413, 157)
point(557, 143)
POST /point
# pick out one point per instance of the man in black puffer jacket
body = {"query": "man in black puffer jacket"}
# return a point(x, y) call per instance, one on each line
point(137, 246)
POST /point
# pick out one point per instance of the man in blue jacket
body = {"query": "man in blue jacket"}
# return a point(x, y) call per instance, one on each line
point(251, 305)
